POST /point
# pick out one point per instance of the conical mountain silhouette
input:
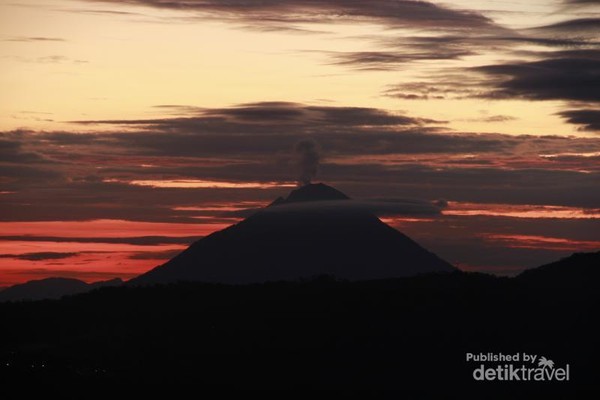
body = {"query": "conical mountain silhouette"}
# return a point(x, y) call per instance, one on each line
point(314, 231)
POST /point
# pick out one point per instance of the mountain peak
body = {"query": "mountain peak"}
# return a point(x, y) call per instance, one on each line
point(300, 241)
point(312, 192)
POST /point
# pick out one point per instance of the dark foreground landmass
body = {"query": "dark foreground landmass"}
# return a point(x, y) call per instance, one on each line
point(52, 288)
point(406, 336)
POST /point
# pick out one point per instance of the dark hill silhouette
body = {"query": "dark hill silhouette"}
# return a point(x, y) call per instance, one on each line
point(579, 269)
point(52, 288)
point(314, 231)
point(404, 338)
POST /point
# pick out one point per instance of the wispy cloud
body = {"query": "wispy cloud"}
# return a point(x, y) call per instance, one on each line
point(273, 112)
point(588, 119)
point(581, 27)
point(56, 59)
point(49, 59)
point(39, 256)
point(138, 241)
point(391, 60)
point(555, 61)
point(396, 13)
point(564, 75)
point(34, 39)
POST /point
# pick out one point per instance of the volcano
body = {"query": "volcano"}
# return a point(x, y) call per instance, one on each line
point(315, 231)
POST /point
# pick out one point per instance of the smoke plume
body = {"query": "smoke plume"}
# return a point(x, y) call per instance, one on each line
point(307, 155)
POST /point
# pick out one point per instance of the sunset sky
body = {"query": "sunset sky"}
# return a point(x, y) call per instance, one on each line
point(128, 129)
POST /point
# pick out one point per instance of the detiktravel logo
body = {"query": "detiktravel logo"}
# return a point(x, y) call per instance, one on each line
point(516, 367)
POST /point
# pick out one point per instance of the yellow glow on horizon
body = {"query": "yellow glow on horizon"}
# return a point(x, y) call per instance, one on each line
point(543, 242)
point(520, 211)
point(204, 184)
point(586, 155)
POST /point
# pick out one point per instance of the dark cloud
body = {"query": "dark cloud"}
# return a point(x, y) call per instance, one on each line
point(380, 207)
point(71, 201)
point(265, 113)
point(8, 147)
point(39, 256)
point(239, 138)
point(261, 112)
point(87, 176)
point(441, 203)
point(588, 119)
point(581, 2)
point(361, 116)
point(352, 141)
point(244, 151)
point(578, 26)
point(478, 184)
point(12, 150)
point(450, 42)
point(396, 51)
point(444, 86)
point(138, 241)
point(395, 13)
point(563, 75)
point(26, 174)
point(391, 60)
point(81, 201)
point(570, 75)
point(295, 16)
